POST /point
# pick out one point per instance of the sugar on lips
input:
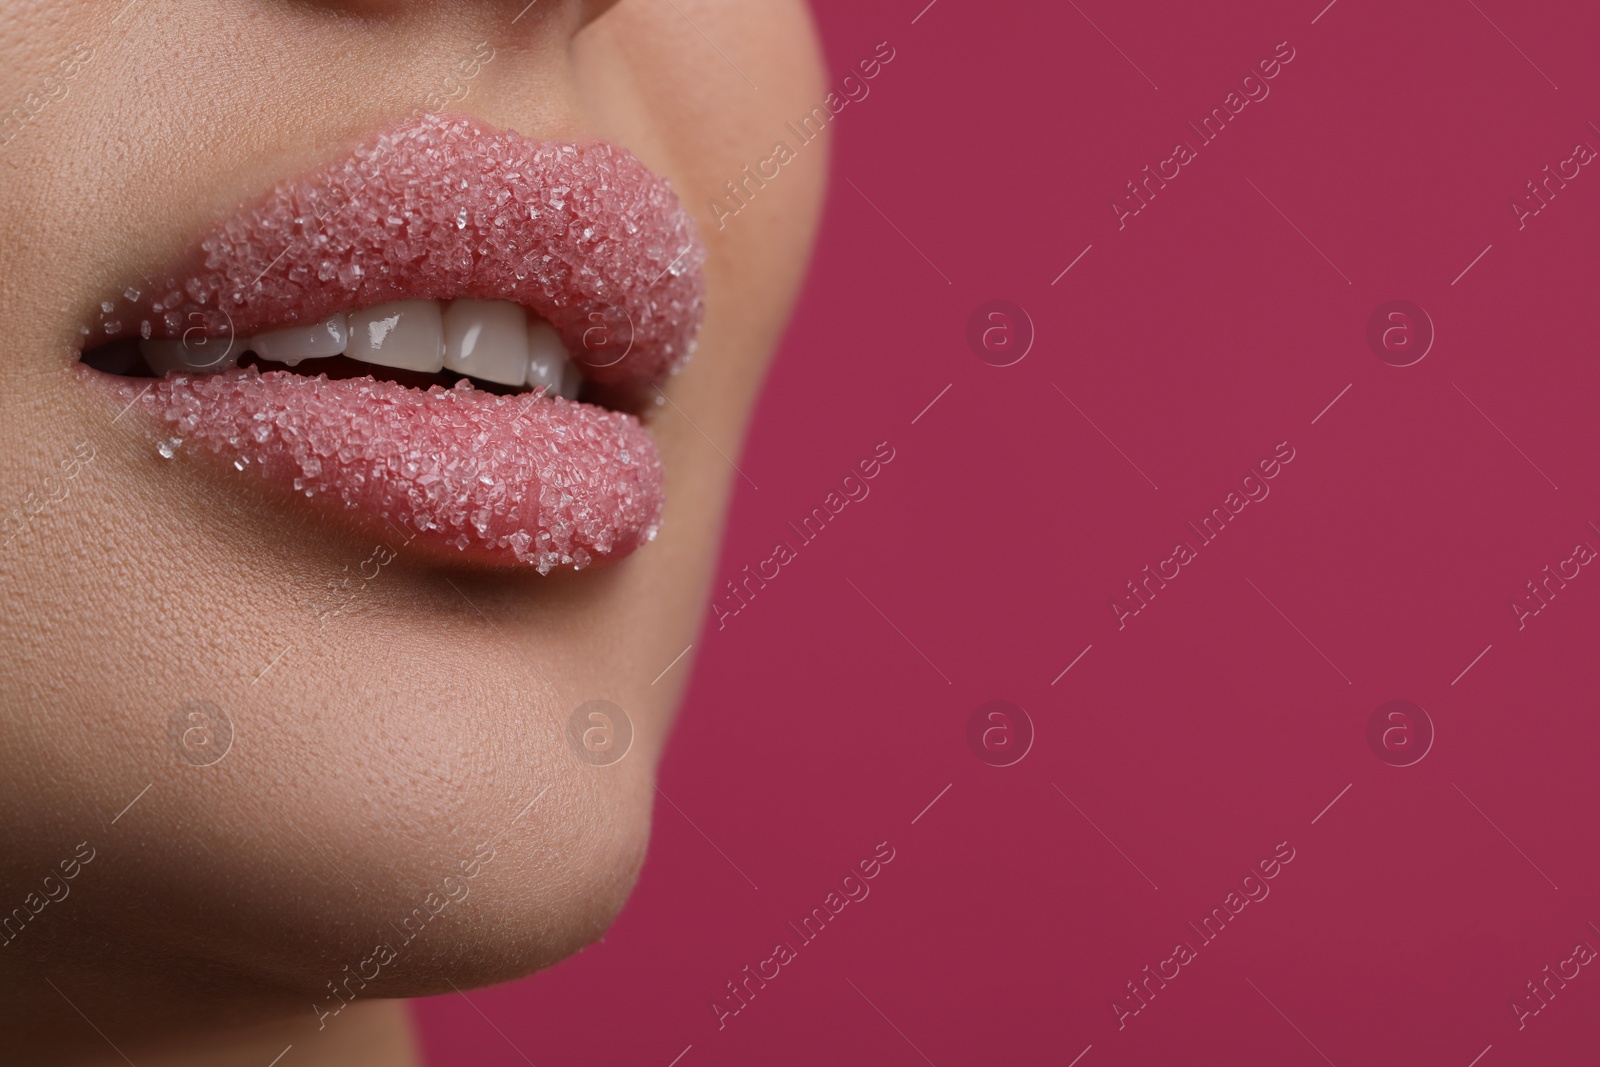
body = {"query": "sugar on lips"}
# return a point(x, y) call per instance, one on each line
point(439, 247)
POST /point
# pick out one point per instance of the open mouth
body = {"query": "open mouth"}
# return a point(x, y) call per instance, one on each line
point(446, 332)
point(420, 343)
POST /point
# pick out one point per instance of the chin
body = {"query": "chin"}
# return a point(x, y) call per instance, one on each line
point(378, 845)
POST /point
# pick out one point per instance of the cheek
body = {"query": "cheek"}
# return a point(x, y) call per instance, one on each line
point(708, 131)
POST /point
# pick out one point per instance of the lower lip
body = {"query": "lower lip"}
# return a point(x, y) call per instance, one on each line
point(518, 480)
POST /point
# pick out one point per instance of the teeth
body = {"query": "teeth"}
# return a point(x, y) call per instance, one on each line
point(204, 355)
point(490, 340)
point(487, 339)
point(547, 357)
point(294, 343)
point(406, 335)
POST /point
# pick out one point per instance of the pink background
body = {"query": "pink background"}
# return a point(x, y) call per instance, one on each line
point(1228, 714)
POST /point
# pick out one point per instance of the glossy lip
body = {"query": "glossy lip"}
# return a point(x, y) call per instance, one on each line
point(442, 208)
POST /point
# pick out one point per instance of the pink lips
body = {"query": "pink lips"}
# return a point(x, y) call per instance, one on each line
point(539, 480)
point(440, 208)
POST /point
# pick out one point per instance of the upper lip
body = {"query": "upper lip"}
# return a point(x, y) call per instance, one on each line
point(582, 235)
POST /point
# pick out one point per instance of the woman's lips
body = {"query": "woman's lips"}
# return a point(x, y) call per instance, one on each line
point(583, 236)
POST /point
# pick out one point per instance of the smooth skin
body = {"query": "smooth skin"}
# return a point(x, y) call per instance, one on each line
point(377, 751)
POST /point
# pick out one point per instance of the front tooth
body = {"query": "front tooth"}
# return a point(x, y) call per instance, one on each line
point(487, 339)
point(547, 357)
point(312, 341)
point(203, 356)
point(407, 335)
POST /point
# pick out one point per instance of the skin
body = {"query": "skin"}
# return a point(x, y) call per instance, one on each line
point(377, 751)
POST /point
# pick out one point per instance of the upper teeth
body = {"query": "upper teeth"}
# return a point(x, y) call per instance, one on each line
point(491, 340)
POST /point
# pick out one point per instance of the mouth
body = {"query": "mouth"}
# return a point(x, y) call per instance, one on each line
point(449, 332)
